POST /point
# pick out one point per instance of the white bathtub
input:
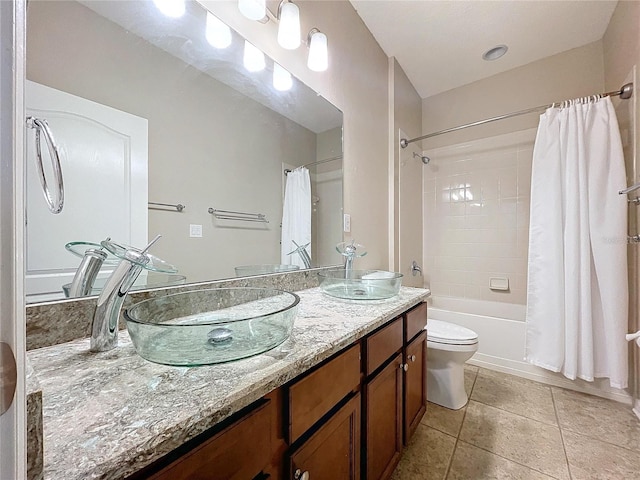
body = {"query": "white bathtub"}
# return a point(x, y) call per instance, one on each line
point(501, 331)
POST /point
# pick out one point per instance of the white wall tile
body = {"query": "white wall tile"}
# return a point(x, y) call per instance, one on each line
point(476, 198)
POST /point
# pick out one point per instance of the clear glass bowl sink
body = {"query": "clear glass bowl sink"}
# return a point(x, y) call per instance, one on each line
point(360, 284)
point(203, 327)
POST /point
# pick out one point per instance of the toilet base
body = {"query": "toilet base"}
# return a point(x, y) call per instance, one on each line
point(445, 387)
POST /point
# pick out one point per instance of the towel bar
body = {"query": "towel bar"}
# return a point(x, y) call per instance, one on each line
point(243, 216)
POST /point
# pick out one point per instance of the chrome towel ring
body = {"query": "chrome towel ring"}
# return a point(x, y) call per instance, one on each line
point(56, 203)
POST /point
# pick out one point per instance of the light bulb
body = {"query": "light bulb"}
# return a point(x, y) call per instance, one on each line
point(218, 34)
point(253, 58)
point(282, 80)
point(289, 27)
point(170, 8)
point(318, 60)
point(253, 9)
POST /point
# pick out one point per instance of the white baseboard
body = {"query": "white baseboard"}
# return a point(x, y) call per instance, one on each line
point(531, 372)
point(636, 409)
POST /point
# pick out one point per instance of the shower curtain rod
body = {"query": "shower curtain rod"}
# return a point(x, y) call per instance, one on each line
point(625, 92)
point(317, 162)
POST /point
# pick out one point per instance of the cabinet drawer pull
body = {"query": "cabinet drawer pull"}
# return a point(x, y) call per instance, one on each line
point(412, 358)
point(300, 475)
point(404, 366)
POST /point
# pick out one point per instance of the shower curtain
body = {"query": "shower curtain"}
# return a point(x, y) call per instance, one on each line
point(577, 296)
point(296, 217)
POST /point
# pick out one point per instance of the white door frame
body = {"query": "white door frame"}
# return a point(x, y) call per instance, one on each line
point(13, 428)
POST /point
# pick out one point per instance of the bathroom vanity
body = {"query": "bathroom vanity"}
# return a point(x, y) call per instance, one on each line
point(337, 400)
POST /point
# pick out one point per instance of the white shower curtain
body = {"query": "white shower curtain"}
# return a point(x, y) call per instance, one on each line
point(577, 297)
point(296, 216)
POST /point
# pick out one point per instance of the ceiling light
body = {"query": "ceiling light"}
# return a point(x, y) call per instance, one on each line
point(495, 52)
point(170, 8)
point(253, 9)
point(282, 80)
point(318, 60)
point(253, 58)
point(289, 27)
point(218, 34)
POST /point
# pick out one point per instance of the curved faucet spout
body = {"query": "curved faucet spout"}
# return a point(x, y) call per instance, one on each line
point(104, 330)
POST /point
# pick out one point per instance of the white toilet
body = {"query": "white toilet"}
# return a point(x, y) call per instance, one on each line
point(448, 347)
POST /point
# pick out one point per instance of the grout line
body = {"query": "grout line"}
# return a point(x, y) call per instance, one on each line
point(455, 446)
point(564, 448)
point(509, 459)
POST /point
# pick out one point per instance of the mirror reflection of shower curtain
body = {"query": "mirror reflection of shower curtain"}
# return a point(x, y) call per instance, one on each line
point(577, 298)
point(296, 216)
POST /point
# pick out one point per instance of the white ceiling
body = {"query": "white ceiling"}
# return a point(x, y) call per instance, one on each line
point(439, 44)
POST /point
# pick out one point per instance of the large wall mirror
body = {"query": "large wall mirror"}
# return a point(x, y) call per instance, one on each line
point(149, 116)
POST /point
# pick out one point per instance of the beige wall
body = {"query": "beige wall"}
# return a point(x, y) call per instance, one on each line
point(621, 44)
point(196, 156)
point(356, 82)
point(570, 74)
point(406, 175)
point(326, 191)
point(486, 235)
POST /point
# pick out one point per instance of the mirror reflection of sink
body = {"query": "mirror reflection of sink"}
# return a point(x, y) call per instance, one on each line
point(248, 270)
point(360, 284)
point(203, 327)
point(145, 281)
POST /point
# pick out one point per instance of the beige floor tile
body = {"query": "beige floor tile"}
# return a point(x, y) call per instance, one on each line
point(470, 374)
point(426, 457)
point(514, 394)
point(606, 420)
point(591, 459)
point(443, 419)
point(525, 441)
point(472, 463)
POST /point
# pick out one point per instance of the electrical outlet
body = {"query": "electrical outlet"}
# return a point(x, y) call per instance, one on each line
point(195, 231)
point(347, 223)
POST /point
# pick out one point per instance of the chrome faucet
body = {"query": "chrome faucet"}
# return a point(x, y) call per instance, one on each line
point(86, 274)
point(349, 254)
point(104, 329)
point(304, 255)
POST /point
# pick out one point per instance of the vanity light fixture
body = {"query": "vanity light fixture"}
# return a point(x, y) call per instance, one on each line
point(289, 26)
point(318, 59)
point(282, 80)
point(217, 32)
point(171, 8)
point(253, 58)
point(253, 9)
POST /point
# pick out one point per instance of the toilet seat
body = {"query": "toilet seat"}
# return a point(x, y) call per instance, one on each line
point(449, 333)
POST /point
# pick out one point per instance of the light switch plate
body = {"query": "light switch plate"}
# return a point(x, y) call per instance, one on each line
point(347, 223)
point(195, 231)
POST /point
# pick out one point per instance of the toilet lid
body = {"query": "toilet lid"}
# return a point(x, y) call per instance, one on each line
point(445, 332)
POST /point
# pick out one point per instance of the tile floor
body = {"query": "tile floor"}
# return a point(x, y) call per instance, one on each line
point(517, 429)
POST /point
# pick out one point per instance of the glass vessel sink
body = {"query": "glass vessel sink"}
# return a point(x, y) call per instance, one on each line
point(203, 327)
point(246, 270)
point(360, 284)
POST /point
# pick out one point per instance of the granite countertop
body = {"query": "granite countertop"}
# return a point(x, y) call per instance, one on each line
point(109, 414)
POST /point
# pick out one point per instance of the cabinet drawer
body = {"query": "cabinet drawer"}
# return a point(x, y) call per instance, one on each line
point(240, 451)
point(383, 344)
point(415, 321)
point(314, 395)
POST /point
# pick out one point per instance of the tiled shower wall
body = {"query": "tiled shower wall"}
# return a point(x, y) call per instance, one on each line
point(476, 224)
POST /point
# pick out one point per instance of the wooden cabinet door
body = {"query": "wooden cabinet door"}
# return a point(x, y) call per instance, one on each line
point(383, 403)
point(332, 452)
point(415, 393)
